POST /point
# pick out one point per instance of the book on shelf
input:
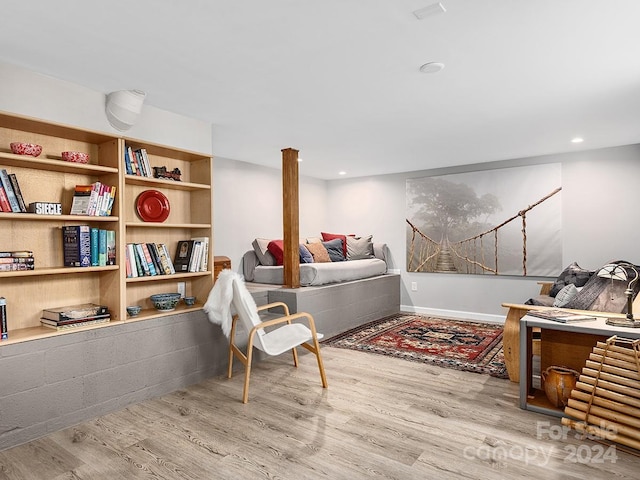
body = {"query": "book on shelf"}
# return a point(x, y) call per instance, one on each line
point(561, 316)
point(5, 206)
point(155, 257)
point(204, 259)
point(146, 255)
point(6, 183)
point(17, 192)
point(76, 241)
point(95, 238)
point(145, 162)
point(111, 247)
point(4, 330)
point(164, 261)
point(184, 250)
point(127, 163)
point(102, 247)
point(142, 259)
point(17, 261)
point(94, 200)
point(17, 253)
point(95, 320)
point(74, 312)
point(135, 168)
point(132, 269)
point(195, 256)
point(81, 199)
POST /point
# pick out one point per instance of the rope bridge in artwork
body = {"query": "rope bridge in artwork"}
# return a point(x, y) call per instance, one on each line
point(476, 254)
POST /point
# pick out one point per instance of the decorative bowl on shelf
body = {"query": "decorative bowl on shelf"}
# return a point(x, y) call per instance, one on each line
point(133, 310)
point(165, 302)
point(20, 148)
point(189, 301)
point(75, 157)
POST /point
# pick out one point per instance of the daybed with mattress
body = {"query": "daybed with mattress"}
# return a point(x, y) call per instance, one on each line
point(334, 260)
point(344, 280)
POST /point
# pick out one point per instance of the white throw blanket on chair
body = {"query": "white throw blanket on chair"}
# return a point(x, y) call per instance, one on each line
point(218, 306)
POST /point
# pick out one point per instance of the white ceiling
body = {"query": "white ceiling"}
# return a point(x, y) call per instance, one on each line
point(339, 80)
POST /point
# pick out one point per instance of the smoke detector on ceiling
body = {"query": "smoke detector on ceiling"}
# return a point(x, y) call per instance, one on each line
point(429, 10)
point(432, 67)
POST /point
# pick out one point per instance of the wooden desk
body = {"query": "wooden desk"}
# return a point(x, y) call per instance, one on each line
point(219, 264)
point(565, 344)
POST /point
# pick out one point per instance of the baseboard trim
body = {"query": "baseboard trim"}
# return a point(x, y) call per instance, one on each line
point(456, 314)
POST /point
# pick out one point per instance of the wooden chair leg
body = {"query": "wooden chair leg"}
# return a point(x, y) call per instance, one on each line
point(232, 336)
point(323, 376)
point(247, 373)
point(295, 356)
point(230, 370)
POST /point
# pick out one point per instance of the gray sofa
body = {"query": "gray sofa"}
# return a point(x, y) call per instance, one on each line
point(314, 274)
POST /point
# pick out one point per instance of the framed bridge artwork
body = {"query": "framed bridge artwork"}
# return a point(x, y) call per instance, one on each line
point(491, 222)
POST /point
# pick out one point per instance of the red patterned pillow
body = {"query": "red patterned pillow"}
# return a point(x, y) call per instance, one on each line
point(276, 248)
point(332, 236)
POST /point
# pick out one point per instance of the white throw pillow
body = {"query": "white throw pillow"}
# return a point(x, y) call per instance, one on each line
point(565, 295)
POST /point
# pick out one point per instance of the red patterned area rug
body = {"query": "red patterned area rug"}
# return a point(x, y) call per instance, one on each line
point(463, 345)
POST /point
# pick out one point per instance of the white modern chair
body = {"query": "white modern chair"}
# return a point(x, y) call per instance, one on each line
point(272, 336)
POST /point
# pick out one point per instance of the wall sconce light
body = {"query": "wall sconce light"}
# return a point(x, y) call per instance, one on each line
point(123, 108)
point(618, 271)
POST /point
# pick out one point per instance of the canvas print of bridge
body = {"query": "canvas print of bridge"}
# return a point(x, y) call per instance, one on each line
point(493, 222)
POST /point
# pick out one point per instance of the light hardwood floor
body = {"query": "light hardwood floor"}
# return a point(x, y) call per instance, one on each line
point(380, 418)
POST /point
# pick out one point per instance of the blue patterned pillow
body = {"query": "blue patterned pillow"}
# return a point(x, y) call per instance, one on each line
point(305, 255)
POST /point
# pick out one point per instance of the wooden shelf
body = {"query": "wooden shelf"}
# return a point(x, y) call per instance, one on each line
point(149, 313)
point(38, 272)
point(167, 225)
point(50, 179)
point(35, 333)
point(165, 278)
point(53, 164)
point(171, 184)
point(56, 218)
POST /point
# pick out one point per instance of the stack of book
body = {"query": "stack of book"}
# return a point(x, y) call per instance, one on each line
point(148, 259)
point(136, 162)
point(10, 195)
point(95, 200)
point(16, 260)
point(4, 331)
point(192, 255)
point(561, 316)
point(63, 318)
point(86, 246)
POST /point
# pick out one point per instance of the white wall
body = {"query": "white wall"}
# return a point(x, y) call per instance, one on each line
point(599, 199)
point(248, 204)
point(31, 94)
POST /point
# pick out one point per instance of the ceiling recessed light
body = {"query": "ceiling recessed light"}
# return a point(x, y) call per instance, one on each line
point(342, 173)
point(577, 140)
point(429, 10)
point(432, 67)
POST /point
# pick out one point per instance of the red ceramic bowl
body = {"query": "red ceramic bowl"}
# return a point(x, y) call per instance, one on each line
point(76, 157)
point(20, 148)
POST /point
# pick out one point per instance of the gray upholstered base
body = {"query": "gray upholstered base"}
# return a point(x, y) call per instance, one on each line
point(338, 307)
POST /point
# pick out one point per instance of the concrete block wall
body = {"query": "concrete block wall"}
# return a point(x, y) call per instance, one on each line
point(53, 383)
point(340, 307)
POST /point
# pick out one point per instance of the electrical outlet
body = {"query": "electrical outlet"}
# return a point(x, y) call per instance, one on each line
point(182, 289)
point(414, 286)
